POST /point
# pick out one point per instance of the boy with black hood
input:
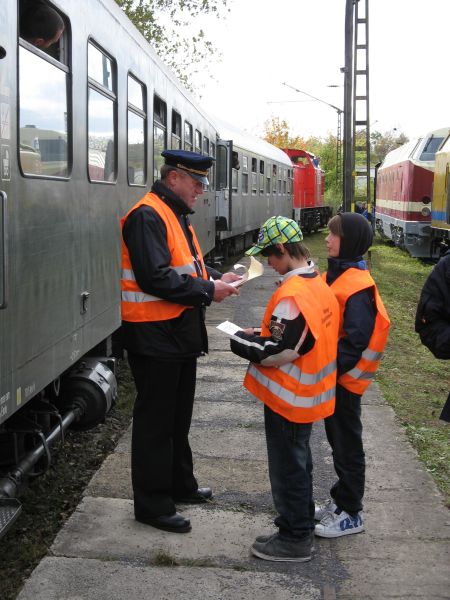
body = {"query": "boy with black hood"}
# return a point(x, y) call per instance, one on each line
point(364, 327)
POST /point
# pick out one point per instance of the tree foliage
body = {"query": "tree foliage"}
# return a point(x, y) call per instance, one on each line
point(278, 132)
point(166, 23)
point(382, 143)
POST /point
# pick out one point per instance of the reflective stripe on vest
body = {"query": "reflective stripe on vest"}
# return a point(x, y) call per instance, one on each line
point(351, 281)
point(304, 390)
point(286, 395)
point(139, 306)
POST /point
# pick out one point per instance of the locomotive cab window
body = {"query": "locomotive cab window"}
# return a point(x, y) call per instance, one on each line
point(159, 134)
point(137, 174)
point(102, 107)
point(44, 78)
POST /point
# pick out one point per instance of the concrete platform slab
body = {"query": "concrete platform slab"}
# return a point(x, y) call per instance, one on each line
point(237, 414)
point(218, 536)
point(79, 579)
point(224, 475)
point(225, 442)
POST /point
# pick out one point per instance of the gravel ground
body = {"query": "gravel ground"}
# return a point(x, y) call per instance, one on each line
point(51, 498)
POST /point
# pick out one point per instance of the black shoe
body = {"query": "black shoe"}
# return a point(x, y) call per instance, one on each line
point(198, 497)
point(175, 523)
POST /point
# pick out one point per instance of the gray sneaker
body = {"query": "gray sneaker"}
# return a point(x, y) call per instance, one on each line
point(322, 509)
point(283, 550)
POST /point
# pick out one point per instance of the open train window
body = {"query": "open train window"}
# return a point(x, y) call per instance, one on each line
point(188, 136)
point(159, 134)
point(176, 130)
point(102, 120)
point(44, 79)
point(136, 130)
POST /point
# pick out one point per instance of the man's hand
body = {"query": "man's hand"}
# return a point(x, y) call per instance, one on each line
point(230, 277)
point(222, 290)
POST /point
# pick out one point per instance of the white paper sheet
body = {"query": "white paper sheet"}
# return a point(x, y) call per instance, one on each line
point(228, 327)
point(255, 270)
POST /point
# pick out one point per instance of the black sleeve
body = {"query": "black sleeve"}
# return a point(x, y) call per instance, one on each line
point(280, 346)
point(144, 234)
point(433, 311)
point(359, 322)
point(213, 273)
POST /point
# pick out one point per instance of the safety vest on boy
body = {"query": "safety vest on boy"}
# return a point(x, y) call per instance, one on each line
point(351, 281)
point(304, 390)
point(137, 306)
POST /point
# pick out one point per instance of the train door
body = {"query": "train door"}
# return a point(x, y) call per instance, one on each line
point(223, 185)
point(8, 11)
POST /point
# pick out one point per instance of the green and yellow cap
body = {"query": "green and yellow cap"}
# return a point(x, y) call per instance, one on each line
point(276, 230)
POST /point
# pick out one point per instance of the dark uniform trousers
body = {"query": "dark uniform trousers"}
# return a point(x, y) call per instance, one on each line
point(161, 458)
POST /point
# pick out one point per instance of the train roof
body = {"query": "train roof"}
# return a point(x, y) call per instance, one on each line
point(117, 13)
point(249, 142)
point(416, 149)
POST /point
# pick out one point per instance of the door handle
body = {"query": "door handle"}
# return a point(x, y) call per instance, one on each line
point(3, 252)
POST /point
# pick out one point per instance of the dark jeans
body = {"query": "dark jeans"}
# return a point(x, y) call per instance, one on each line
point(161, 458)
point(290, 471)
point(344, 433)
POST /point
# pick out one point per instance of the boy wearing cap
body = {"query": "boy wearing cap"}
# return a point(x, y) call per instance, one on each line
point(363, 332)
point(165, 289)
point(292, 371)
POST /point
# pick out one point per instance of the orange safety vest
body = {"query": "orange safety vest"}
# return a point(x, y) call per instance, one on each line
point(304, 390)
point(358, 379)
point(137, 306)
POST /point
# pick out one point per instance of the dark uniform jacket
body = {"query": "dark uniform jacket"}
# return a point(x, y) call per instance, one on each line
point(144, 234)
point(433, 310)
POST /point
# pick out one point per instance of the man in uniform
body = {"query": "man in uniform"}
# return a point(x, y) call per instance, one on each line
point(165, 289)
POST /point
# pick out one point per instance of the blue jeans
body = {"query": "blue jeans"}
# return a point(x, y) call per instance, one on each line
point(290, 471)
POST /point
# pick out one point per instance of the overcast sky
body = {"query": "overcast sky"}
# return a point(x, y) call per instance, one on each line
point(301, 42)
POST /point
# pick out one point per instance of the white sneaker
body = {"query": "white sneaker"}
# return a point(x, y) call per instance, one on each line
point(322, 509)
point(333, 525)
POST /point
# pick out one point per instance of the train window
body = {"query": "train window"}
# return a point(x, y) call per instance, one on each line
point(274, 178)
point(43, 122)
point(100, 67)
point(205, 146)
point(268, 171)
point(245, 163)
point(176, 130)
point(43, 27)
point(430, 148)
point(234, 180)
point(235, 171)
point(212, 171)
point(137, 173)
point(188, 136)
point(136, 93)
point(254, 165)
point(198, 141)
point(261, 177)
point(159, 134)
point(102, 130)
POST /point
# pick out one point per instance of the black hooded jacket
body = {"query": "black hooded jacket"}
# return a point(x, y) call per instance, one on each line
point(433, 310)
point(360, 310)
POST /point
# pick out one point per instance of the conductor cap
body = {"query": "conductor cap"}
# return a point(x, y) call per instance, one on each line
point(194, 164)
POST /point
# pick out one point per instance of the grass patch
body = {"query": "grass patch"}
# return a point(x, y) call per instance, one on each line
point(413, 382)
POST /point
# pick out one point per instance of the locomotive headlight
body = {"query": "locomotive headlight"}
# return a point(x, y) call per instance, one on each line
point(426, 212)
